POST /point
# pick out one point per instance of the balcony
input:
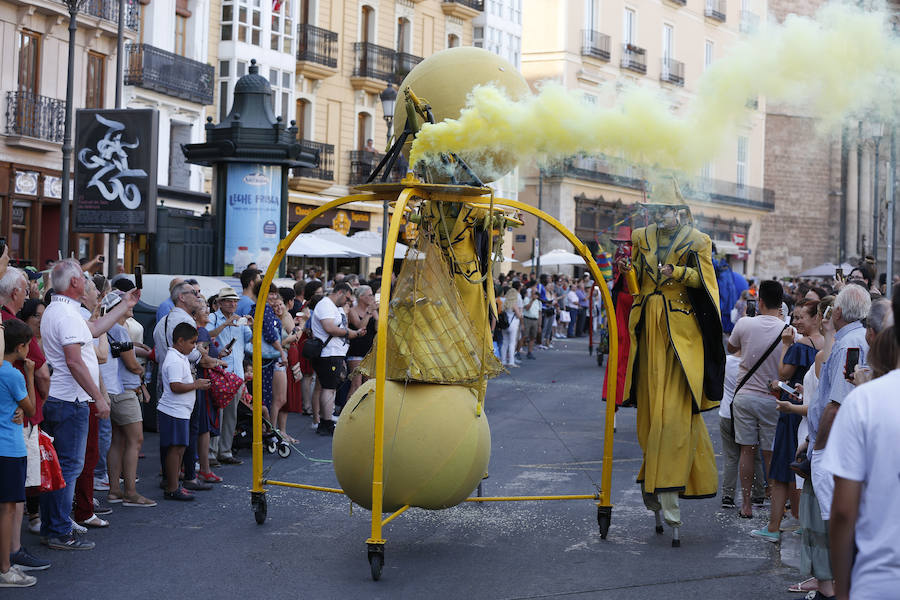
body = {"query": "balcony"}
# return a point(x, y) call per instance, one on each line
point(672, 71)
point(320, 178)
point(729, 193)
point(373, 67)
point(316, 51)
point(591, 168)
point(715, 9)
point(161, 71)
point(462, 9)
point(403, 64)
point(362, 163)
point(34, 122)
point(679, 2)
point(108, 10)
point(749, 22)
point(595, 44)
point(634, 58)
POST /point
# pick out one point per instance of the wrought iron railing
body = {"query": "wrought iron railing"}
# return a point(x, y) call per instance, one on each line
point(476, 4)
point(634, 58)
point(168, 73)
point(373, 61)
point(317, 45)
point(715, 9)
point(595, 44)
point(403, 64)
point(109, 11)
point(363, 162)
point(672, 71)
point(34, 116)
point(325, 170)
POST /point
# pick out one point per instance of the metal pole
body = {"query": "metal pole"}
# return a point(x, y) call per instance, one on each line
point(537, 258)
point(120, 51)
point(859, 189)
point(845, 168)
point(892, 212)
point(877, 140)
point(384, 217)
point(67, 136)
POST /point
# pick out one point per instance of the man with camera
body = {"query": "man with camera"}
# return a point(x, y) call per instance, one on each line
point(754, 411)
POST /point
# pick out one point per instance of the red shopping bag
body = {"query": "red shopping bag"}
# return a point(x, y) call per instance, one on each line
point(51, 473)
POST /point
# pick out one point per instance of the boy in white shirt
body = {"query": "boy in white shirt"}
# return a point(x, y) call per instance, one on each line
point(175, 407)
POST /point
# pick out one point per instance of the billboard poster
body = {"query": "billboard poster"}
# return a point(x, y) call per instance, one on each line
point(115, 170)
point(252, 215)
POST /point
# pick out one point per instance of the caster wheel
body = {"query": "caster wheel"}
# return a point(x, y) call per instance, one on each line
point(284, 450)
point(376, 564)
point(271, 447)
point(258, 502)
point(660, 529)
point(604, 518)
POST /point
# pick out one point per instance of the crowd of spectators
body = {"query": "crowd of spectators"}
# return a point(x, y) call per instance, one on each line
point(816, 454)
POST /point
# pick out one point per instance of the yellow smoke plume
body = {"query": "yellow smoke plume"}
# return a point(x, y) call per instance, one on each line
point(843, 63)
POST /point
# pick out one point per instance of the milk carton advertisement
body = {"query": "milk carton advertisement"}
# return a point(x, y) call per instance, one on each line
point(252, 216)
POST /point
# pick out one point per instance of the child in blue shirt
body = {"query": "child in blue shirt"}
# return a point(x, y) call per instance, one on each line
point(16, 402)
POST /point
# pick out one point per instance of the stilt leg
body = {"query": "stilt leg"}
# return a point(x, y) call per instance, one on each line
point(676, 541)
point(659, 521)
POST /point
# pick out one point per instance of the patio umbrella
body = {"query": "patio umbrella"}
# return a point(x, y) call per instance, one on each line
point(557, 257)
point(370, 242)
point(826, 270)
point(321, 246)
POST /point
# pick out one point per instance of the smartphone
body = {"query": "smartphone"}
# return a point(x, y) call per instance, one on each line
point(2, 245)
point(241, 322)
point(839, 274)
point(102, 259)
point(827, 314)
point(852, 361)
point(789, 389)
point(139, 277)
point(102, 310)
point(230, 344)
point(751, 308)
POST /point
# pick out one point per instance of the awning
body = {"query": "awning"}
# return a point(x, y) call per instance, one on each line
point(727, 247)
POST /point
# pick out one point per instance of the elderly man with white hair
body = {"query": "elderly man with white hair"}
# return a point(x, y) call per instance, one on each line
point(74, 384)
point(849, 310)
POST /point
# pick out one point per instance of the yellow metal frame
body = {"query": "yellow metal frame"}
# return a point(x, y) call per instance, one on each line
point(410, 189)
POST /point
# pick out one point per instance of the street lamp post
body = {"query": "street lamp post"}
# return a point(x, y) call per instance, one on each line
point(74, 7)
point(388, 102)
point(537, 246)
point(877, 132)
point(892, 212)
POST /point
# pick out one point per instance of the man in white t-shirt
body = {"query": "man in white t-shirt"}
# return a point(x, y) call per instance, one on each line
point(329, 324)
point(754, 411)
point(865, 514)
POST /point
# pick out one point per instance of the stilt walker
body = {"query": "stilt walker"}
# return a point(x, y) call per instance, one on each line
point(676, 364)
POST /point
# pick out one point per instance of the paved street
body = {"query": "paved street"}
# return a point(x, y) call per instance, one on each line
point(546, 422)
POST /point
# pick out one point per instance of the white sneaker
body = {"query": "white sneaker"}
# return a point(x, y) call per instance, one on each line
point(16, 578)
point(100, 485)
point(314, 426)
point(79, 529)
point(34, 525)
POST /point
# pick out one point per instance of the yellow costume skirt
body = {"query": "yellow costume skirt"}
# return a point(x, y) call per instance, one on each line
point(678, 454)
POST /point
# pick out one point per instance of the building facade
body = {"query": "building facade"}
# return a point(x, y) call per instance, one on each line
point(665, 45)
point(33, 59)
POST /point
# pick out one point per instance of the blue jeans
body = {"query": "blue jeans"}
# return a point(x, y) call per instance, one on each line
point(573, 315)
point(67, 423)
point(104, 438)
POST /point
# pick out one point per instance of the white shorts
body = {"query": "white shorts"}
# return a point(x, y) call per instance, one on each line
point(823, 483)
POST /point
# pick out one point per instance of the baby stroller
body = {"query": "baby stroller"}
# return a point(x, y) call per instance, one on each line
point(272, 439)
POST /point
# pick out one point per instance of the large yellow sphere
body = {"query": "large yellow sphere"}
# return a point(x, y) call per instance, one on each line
point(436, 449)
point(445, 79)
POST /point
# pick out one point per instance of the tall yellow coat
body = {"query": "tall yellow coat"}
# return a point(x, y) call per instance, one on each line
point(667, 378)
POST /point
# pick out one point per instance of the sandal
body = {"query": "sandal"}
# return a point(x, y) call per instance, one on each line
point(743, 516)
point(179, 494)
point(95, 522)
point(807, 585)
point(208, 477)
point(114, 497)
point(139, 501)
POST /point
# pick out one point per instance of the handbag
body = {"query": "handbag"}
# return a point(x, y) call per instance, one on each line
point(313, 346)
point(51, 472)
point(223, 386)
point(502, 320)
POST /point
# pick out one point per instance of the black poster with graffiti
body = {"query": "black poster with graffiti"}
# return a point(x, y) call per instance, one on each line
point(115, 162)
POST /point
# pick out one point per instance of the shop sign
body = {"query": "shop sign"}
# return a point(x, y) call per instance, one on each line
point(252, 215)
point(116, 170)
point(52, 187)
point(739, 239)
point(27, 183)
point(339, 220)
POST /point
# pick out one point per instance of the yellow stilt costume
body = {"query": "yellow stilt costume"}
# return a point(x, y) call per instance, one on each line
point(676, 364)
